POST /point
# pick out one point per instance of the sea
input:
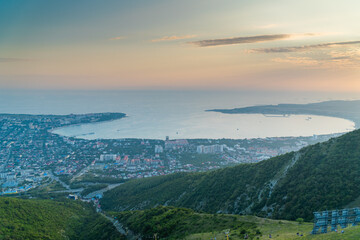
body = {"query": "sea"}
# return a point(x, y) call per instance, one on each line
point(155, 114)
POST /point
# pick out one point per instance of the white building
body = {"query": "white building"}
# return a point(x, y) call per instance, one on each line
point(211, 149)
point(200, 149)
point(159, 149)
point(108, 157)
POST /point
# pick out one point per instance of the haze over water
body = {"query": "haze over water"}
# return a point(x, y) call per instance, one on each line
point(178, 114)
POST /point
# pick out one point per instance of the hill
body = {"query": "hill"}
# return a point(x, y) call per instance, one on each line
point(177, 223)
point(182, 223)
point(46, 219)
point(318, 177)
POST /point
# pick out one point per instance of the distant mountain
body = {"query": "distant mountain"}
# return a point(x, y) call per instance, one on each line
point(318, 177)
point(46, 219)
point(343, 109)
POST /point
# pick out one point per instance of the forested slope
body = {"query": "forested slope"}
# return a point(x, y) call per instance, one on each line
point(322, 176)
point(46, 219)
point(177, 223)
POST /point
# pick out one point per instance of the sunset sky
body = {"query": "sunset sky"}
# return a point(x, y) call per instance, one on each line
point(180, 44)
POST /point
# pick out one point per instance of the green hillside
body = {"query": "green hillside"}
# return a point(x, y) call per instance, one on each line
point(279, 230)
point(182, 223)
point(322, 176)
point(177, 223)
point(46, 219)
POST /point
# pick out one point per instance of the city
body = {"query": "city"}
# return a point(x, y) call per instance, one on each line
point(30, 153)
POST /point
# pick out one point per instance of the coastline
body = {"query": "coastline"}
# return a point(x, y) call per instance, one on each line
point(327, 108)
point(95, 129)
point(81, 124)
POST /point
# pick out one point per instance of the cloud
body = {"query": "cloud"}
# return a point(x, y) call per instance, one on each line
point(173, 38)
point(302, 48)
point(249, 39)
point(304, 61)
point(117, 38)
point(349, 59)
point(2, 60)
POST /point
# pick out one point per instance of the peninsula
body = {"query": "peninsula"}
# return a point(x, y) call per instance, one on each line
point(341, 109)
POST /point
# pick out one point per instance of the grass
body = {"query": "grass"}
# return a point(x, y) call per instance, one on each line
point(182, 223)
point(349, 234)
point(281, 230)
point(278, 229)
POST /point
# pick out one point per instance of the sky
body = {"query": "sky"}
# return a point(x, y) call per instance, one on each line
point(308, 45)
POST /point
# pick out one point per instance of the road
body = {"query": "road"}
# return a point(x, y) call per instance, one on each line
point(52, 176)
point(101, 191)
point(116, 223)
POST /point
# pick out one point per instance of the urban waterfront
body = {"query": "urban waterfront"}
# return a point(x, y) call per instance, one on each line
point(32, 156)
point(83, 151)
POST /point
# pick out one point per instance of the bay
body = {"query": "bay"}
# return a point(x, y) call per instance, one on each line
point(177, 114)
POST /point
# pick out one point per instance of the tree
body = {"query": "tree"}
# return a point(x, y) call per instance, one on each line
point(300, 220)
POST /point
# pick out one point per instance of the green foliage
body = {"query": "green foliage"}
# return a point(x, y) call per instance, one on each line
point(211, 191)
point(46, 191)
point(45, 219)
point(75, 185)
point(93, 188)
point(91, 178)
point(300, 220)
point(176, 223)
point(326, 177)
point(294, 185)
point(65, 178)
